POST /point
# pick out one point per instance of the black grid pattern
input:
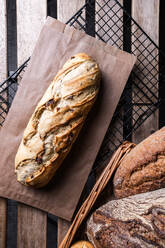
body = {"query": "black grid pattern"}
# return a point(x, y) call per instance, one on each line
point(8, 90)
point(140, 99)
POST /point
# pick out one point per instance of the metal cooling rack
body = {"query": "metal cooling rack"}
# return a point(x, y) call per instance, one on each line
point(141, 97)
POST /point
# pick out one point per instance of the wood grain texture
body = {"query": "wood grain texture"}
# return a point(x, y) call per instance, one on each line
point(32, 223)
point(3, 41)
point(65, 10)
point(3, 207)
point(146, 14)
point(30, 19)
point(31, 228)
point(63, 227)
point(3, 75)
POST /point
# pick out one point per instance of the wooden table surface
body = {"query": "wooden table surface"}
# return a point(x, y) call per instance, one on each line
point(23, 226)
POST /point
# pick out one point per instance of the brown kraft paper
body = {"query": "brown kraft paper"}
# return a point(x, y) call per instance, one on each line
point(57, 43)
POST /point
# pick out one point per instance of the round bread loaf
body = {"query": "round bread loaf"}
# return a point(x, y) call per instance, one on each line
point(134, 222)
point(143, 169)
point(82, 244)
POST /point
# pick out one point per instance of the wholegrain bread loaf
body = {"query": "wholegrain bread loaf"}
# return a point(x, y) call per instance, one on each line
point(134, 222)
point(57, 121)
point(143, 169)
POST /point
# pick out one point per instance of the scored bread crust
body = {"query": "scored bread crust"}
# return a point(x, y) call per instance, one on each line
point(57, 121)
point(143, 169)
point(134, 222)
point(82, 244)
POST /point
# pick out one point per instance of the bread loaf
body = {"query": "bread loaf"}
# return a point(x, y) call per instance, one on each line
point(134, 222)
point(143, 169)
point(57, 121)
point(82, 244)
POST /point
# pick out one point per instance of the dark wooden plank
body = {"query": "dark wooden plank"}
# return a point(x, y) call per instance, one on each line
point(52, 8)
point(51, 231)
point(31, 227)
point(11, 35)
point(2, 223)
point(11, 224)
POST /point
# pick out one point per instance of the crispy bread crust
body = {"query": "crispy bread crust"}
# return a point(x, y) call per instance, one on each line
point(57, 121)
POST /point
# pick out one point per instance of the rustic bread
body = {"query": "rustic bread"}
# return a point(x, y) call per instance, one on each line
point(57, 121)
point(137, 221)
point(82, 244)
point(143, 169)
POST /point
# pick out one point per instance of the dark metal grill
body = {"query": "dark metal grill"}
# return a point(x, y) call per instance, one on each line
point(112, 24)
